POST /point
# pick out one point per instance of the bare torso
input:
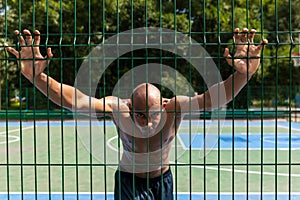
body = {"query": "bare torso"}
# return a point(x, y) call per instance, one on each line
point(149, 156)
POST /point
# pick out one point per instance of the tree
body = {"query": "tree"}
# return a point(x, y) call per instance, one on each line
point(8, 69)
point(74, 28)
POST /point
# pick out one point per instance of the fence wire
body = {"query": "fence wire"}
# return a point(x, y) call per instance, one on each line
point(48, 162)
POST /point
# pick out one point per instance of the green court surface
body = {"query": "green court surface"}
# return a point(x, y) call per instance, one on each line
point(242, 156)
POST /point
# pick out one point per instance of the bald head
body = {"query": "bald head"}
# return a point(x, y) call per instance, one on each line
point(148, 108)
point(144, 93)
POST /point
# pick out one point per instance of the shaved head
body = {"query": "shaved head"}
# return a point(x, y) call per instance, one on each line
point(147, 109)
point(145, 93)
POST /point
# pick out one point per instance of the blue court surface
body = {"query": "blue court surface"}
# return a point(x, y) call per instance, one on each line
point(179, 196)
point(240, 141)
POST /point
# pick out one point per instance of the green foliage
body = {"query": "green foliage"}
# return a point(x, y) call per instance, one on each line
point(73, 28)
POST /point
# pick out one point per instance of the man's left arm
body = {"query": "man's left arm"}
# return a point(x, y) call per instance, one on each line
point(246, 62)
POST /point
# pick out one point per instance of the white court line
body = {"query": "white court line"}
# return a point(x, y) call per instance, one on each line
point(221, 169)
point(15, 130)
point(288, 128)
point(242, 171)
point(111, 146)
point(197, 193)
point(177, 193)
point(213, 148)
point(116, 137)
point(181, 142)
point(15, 138)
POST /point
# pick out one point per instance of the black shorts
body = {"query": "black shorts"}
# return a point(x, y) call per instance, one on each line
point(158, 188)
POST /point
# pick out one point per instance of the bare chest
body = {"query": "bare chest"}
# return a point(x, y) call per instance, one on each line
point(160, 140)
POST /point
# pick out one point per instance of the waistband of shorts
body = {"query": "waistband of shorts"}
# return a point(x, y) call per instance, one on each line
point(155, 179)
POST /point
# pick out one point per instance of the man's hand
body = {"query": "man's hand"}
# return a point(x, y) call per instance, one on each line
point(32, 62)
point(247, 55)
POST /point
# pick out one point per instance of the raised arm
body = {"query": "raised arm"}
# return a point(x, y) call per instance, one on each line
point(246, 61)
point(32, 65)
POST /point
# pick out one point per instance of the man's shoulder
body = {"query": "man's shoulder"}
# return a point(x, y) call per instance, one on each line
point(178, 98)
point(116, 100)
point(175, 101)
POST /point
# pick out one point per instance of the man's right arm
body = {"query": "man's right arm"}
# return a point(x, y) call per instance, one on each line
point(32, 65)
point(71, 98)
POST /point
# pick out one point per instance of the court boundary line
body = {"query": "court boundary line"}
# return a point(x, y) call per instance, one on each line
point(292, 128)
point(241, 171)
point(186, 147)
point(224, 169)
point(16, 138)
point(108, 143)
point(184, 193)
point(15, 130)
point(183, 146)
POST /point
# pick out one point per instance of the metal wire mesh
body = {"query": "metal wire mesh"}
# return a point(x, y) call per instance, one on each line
point(73, 29)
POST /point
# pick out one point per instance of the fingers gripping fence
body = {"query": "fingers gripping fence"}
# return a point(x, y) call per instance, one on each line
point(138, 99)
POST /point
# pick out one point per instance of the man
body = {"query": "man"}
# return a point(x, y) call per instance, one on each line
point(147, 122)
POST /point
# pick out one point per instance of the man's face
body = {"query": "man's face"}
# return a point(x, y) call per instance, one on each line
point(147, 109)
point(148, 119)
